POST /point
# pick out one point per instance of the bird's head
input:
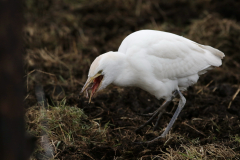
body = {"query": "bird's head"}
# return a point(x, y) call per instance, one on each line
point(102, 72)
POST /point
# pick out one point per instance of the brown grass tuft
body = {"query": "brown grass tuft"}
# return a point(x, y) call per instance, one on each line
point(65, 125)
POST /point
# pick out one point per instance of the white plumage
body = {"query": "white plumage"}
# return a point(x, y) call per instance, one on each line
point(155, 61)
point(170, 60)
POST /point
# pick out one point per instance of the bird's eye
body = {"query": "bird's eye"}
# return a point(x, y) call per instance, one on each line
point(99, 72)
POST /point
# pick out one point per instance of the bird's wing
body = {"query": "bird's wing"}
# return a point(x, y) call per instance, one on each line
point(168, 55)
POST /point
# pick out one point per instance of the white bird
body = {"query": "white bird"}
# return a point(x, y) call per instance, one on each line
point(161, 63)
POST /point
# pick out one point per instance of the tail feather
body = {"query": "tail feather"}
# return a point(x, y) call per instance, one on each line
point(214, 56)
point(214, 51)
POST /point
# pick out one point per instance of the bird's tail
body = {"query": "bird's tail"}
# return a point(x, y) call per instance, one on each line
point(214, 51)
point(214, 56)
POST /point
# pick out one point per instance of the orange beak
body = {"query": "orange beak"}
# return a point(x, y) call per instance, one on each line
point(96, 82)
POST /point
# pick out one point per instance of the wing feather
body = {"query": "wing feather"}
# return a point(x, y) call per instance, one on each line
point(167, 55)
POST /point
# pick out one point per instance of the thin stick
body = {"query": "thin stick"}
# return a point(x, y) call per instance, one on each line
point(193, 128)
point(204, 87)
point(88, 155)
point(234, 96)
point(40, 72)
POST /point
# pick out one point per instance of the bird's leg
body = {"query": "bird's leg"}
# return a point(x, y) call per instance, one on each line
point(175, 93)
point(164, 105)
point(159, 116)
point(180, 107)
point(164, 110)
point(158, 112)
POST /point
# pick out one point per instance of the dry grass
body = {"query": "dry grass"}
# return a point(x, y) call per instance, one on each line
point(64, 125)
point(210, 151)
point(63, 37)
point(215, 31)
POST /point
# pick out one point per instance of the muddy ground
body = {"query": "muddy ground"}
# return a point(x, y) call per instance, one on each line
point(63, 37)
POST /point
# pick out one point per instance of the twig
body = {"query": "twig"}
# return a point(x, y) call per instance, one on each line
point(54, 145)
point(234, 96)
point(40, 72)
point(50, 74)
point(63, 133)
point(88, 155)
point(102, 111)
point(205, 87)
point(56, 155)
point(193, 128)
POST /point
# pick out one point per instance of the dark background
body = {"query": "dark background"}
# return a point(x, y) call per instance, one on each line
point(63, 37)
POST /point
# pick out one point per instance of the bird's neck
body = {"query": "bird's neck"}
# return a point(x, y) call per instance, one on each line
point(124, 76)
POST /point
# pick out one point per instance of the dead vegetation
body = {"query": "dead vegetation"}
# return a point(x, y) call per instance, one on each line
point(63, 37)
point(66, 126)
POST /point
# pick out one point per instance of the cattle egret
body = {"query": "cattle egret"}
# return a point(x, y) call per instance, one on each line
point(161, 63)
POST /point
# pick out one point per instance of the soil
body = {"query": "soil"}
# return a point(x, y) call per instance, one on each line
point(63, 37)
